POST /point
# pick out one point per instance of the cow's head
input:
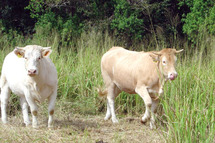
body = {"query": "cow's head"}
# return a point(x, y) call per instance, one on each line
point(33, 56)
point(167, 60)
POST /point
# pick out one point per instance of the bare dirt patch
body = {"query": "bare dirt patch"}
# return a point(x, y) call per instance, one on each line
point(71, 127)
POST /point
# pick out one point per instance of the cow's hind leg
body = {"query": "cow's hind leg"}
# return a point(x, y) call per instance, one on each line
point(142, 91)
point(113, 91)
point(51, 107)
point(24, 106)
point(108, 113)
point(5, 95)
point(153, 109)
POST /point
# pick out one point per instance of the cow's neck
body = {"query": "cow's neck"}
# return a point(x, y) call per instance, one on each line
point(161, 77)
point(37, 79)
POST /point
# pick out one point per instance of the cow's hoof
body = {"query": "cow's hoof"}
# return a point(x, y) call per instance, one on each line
point(152, 126)
point(145, 119)
point(35, 126)
point(107, 118)
point(115, 121)
point(4, 121)
point(27, 124)
point(143, 122)
point(50, 126)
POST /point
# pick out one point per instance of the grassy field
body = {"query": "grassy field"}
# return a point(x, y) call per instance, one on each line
point(186, 112)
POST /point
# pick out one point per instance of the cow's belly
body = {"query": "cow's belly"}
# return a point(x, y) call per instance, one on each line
point(125, 83)
point(126, 86)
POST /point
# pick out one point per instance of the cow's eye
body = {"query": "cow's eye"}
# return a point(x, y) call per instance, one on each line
point(25, 58)
point(164, 62)
point(39, 58)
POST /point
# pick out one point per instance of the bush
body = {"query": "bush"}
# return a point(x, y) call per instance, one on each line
point(71, 28)
point(126, 21)
point(200, 17)
point(67, 28)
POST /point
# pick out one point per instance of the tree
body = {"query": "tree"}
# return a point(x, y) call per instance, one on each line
point(14, 16)
point(200, 18)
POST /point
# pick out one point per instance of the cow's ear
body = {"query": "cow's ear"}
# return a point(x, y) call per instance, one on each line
point(154, 57)
point(19, 52)
point(46, 51)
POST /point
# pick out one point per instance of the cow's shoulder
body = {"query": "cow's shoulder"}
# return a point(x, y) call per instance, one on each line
point(114, 48)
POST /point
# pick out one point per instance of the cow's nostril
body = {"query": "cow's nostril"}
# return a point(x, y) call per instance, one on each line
point(32, 71)
point(172, 76)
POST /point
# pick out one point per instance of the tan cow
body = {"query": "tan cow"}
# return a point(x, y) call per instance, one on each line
point(142, 73)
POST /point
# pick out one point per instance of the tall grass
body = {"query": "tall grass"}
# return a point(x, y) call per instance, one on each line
point(187, 110)
point(188, 102)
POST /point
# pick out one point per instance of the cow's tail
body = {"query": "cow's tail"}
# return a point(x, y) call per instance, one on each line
point(0, 87)
point(2, 83)
point(102, 92)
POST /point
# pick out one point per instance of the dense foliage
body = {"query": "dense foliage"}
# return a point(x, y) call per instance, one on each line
point(128, 20)
point(200, 18)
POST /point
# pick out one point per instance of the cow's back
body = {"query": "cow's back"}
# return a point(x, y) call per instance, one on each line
point(113, 57)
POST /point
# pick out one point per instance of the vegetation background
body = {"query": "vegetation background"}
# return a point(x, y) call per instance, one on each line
point(80, 31)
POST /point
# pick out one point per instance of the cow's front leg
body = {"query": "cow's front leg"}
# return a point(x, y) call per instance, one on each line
point(5, 95)
point(51, 107)
point(33, 107)
point(143, 92)
point(24, 106)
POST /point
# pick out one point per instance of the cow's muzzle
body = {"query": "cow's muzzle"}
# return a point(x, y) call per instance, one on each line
point(172, 76)
point(32, 72)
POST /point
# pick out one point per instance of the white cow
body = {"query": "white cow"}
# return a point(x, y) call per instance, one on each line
point(29, 73)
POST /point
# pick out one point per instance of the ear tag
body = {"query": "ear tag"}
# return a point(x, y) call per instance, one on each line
point(155, 61)
point(19, 55)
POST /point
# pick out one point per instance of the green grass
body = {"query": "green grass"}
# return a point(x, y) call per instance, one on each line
point(188, 104)
point(187, 110)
